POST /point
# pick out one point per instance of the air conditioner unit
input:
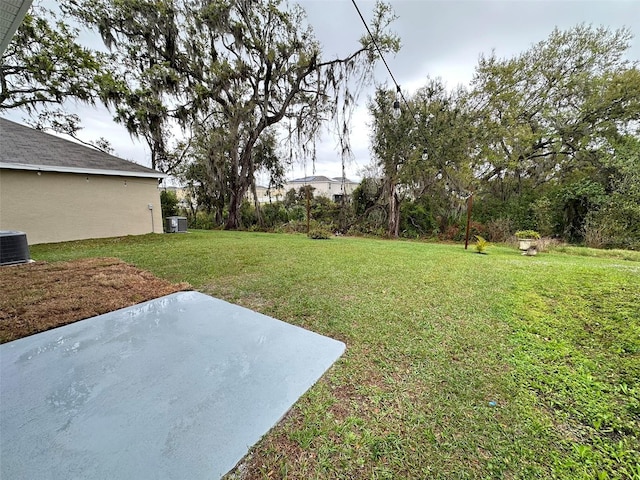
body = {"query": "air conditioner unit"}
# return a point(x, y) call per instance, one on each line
point(13, 247)
point(176, 225)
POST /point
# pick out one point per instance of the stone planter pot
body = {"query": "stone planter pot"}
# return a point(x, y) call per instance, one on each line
point(526, 243)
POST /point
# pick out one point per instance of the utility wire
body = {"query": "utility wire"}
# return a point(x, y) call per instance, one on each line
point(375, 44)
point(385, 62)
point(408, 105)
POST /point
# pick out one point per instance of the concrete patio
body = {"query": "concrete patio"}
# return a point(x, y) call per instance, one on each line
point(174, 388)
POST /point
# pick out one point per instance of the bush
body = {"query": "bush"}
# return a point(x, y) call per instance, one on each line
point(577, 200)
point(416, 219)
point(294, 226)
point(366, 195)
point(499, 230)
point(201, 221)
point(543, 211)
point(297, 213)
point(481, 244)
point(475, 229)
point(527, 234)
point(359, 230)
point(319, 233)
point(168, 203)
point(457, 232)
point(517, 209)
point(373, 223)
point(247, 214)
point(452, 232)
point(274, 215)
point(324, 210)
point(613, 226)
point(545, 244)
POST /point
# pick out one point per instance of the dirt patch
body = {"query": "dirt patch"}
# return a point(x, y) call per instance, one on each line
point(40, 296)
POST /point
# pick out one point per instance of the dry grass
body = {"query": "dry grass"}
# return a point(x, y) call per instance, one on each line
point(40, 296)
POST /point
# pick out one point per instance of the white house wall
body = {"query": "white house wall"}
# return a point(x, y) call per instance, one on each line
point(56, 207)
point(324, 188)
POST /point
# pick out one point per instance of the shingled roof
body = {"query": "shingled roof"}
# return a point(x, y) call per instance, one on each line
point(320, 178)
point(25, 148)
point(315, 178)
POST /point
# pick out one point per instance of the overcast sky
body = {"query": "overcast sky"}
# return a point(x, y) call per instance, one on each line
point(440, 38)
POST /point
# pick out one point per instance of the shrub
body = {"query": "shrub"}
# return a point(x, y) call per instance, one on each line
point(416, 219)
point(274, 215)
point(543, 211)
point(527, 234)
point(319, 233)
point(247, 214)
point(499, 230)
point(168, 203)
point(475, 229)
point(201, 221)
point(517, 208)
point(324, 210)
point(297, 213)
point(452, 232)
point(293, 226)
point(481, 244)
point(611, 227)
point(373, 223)
point(547, 243)
point(359, 230)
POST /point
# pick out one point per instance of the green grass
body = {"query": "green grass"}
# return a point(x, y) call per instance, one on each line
point(458, 365)
point(631, 255)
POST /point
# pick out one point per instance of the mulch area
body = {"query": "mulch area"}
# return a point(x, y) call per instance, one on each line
point(38, 296)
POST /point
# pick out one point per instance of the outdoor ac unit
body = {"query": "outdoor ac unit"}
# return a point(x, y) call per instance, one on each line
point(13, 247)
point(176, 225)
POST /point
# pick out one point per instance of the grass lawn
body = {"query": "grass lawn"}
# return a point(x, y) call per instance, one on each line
point(458, 365)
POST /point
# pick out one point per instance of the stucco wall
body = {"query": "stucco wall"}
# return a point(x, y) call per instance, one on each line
point(324, 188)
point(57, 207)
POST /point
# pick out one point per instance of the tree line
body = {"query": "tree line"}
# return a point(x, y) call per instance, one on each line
point(219, 91)
point(547, 140)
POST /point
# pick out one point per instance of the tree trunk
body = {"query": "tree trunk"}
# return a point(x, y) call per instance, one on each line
point(233, 220)
point(242, 169)
point(256, 203)
point(219, 204)
point(239, 189)
point(394, 211)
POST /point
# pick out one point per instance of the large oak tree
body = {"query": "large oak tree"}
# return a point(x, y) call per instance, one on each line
point(45, 66)
point(232, 71)
point(555, 119)
point(423, 152)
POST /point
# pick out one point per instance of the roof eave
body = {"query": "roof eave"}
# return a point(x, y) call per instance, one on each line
point(16, 20)
point(83, 171)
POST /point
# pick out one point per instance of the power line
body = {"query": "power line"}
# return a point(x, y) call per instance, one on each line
point(375, 44)
point(398, 89)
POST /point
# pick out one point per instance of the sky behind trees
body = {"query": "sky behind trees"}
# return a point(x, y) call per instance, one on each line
point(440, 38)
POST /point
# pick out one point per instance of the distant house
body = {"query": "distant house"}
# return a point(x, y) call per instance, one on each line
point(331, 188)
point(182, 194)
point(56, 190)
point(266, 194)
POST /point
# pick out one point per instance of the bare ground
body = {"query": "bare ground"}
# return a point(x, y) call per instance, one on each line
point(39, 296)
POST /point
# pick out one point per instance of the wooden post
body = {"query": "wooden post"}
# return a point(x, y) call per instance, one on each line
point(469, 207)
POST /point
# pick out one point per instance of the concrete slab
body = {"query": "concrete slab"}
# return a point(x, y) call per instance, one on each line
point(178, 387)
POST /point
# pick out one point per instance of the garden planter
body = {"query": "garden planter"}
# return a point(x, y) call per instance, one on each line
point(526, 243)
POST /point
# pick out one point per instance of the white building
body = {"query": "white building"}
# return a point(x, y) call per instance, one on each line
point(331, 188)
